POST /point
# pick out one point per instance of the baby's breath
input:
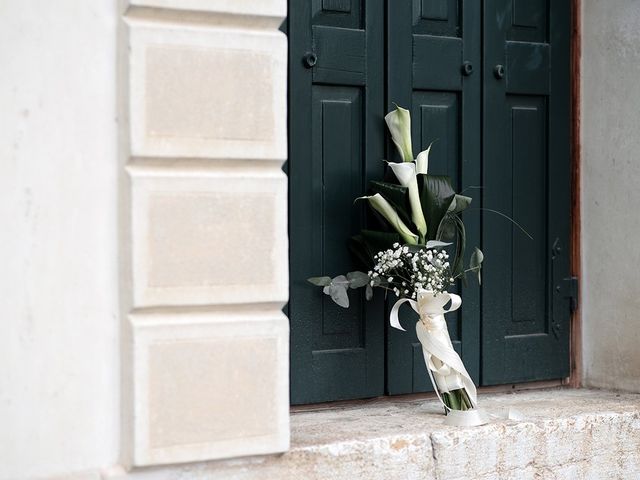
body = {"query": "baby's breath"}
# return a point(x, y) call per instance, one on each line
point(405, 273)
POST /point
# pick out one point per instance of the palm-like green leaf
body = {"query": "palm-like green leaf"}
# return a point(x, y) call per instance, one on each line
point(361, 252)
point(459, 203)
point(377, 241)
point(436, 195)
point(369, 242)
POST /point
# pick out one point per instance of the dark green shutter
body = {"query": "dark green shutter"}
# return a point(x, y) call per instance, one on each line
point(489, 82)
point(526, 175)
point(337, 138)
point(429, 42)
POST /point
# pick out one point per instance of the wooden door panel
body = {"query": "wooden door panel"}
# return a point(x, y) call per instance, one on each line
point(437, 118)
point(526, 176)
point(336, 162)
point(509, 134)
point(336, 107)
point(432, 39)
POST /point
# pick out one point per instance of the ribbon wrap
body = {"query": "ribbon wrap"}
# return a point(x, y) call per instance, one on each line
point(446, 370)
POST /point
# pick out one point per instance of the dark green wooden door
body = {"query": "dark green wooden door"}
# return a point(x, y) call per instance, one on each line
point(434, 70)
point(506, 129)
point(337, 138)
point(526, 174)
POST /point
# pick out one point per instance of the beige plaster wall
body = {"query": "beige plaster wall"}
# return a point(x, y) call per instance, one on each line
point(59, 381)
point(611, 193)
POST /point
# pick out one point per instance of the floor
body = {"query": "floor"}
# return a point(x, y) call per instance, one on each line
point(562, 434)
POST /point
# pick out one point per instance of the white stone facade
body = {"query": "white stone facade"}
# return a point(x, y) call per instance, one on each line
point(144, 238)
point(204, 231)
point(610, 122)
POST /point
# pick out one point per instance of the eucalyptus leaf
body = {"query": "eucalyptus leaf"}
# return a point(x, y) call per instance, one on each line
point(368, 293)
point(320, 281)
point(475, 263)
point(338, 294)
point(357, 279)
point(437, 244)
point(340, 280)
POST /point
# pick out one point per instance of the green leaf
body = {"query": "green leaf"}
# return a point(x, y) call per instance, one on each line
point(377, 241)
point(447, 228)
point(368, 293)
point(461, 244)
point(435, 196)
point(475, 263)
point(384, 208)
point(510, 219)
point(320, 281)
point(397, 196)
point(454, 399)
point(459, 203)
point(357, 279)
point(405, 172)
point(361, 252)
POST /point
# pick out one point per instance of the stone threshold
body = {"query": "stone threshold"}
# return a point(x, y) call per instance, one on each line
point(564, 434)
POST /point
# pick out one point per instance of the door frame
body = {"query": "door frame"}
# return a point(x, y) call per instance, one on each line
point(575, 341)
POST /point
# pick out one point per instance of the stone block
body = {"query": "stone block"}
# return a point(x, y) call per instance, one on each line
point(208, 236)
point(209, 385)
point(275, 8)
point(206, 92)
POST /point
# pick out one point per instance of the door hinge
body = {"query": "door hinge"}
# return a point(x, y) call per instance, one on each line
point(570, 289)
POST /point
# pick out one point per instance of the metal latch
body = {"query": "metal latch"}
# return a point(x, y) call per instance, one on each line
point(570, 289)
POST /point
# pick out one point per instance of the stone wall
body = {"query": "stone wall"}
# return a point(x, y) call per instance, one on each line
point(59, 381)
point(205, 363)
point(174, 112)
point(611, 193)
point(144, 234)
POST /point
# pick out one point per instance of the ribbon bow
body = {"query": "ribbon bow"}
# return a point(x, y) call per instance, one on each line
point(437, 349)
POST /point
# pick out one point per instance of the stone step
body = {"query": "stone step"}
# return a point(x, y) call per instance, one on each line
point(564, 434)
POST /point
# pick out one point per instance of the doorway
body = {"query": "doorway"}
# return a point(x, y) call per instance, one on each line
point(490, 83)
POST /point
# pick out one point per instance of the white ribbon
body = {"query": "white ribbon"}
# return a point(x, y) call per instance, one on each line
point(441, 359)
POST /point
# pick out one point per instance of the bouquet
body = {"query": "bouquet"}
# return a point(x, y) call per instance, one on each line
point(418, 220)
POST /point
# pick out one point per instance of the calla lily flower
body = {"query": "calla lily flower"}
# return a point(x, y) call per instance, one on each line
point(406, 175)
point(399, 123)
point(422, 161)
point(384, 208)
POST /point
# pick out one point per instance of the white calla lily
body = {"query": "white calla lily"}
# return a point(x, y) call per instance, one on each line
point(422, 161)
point(406, 175)
point(404, 172)
point(399, 123)
point(384, 208)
